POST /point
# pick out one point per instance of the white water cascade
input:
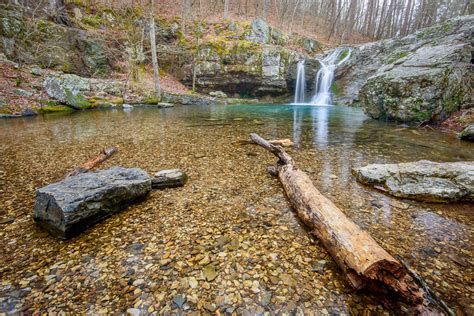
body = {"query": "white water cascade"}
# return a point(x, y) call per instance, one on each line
point(300, 83)
point(325, 75)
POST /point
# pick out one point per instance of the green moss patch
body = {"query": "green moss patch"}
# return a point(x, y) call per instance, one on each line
point(396, 56)
point(77, 101)
point(54, 109)
point(92, 20)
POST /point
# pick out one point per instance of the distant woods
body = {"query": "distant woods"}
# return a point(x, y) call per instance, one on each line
point(338, 20)
point(329, 20)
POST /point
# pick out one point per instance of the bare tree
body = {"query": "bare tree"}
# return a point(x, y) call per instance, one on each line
point(338, 20)
point(154, 59)
point(226, 9)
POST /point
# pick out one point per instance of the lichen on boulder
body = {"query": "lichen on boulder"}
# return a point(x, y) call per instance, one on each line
point(67, 207)
point(468, 133)
point(422, 180)
point(73, 90)
point(424, 76)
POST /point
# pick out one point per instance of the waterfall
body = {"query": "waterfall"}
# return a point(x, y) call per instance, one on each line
point(300, 83)
point(325, 75)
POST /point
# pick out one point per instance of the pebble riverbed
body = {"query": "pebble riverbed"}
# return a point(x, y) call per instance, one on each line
point(227, 242)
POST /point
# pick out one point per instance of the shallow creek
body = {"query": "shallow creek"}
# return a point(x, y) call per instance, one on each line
point(231, 214)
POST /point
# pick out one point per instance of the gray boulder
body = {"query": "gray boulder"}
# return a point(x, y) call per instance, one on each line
point(23, 93)
point(56, 85)
point(218, 94)
point(423, 76)
point(72, 89)
point(422, 180)
point(28, 112)
point(68, 207)
point(429, 84)
point(169, 179)
point(36, 71)
point(310, 45)
point(468, 133)
point(259, 32)
point(187, 99)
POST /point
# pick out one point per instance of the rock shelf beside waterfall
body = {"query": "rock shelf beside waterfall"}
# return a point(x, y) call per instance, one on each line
point(422, 180)
point(420, 77)
point(76, 203)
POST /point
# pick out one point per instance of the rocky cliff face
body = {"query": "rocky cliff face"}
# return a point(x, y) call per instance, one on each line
point(249, 60)
point(420, 77)
point(40, 41)
point(239, 58)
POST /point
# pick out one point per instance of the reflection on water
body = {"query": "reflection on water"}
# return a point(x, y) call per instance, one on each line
point(226, 181)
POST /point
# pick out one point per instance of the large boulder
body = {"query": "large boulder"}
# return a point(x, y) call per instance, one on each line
point(259, 32)
point(423, 76)
point(468, 133)
point(68, 207)
point(422, 180)
point(429, 84)
point(73, 90)
point(187, 99)
point(62, 48)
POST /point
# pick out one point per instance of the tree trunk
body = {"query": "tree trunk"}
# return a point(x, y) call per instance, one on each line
point(226, 9)
point(293, 16)
point(364, 262)
point(198, 34)
point(266, 4)
point(154, 59)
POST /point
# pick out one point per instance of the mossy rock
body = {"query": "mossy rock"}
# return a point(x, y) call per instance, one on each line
point(54, 109)
point(92, 20)
point(151, 100)
point(77, 100)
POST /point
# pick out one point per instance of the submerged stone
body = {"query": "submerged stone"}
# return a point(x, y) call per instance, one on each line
point(169, 179)
point(422, 180)
point(179, 300)
point(68, 207)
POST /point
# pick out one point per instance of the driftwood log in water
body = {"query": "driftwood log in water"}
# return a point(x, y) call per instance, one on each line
point(285, 142)
point(91, 164)
point(365, 263)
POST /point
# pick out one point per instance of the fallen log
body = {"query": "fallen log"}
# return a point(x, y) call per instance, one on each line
point(104, 154)
point(365, 263)
point(285, 142)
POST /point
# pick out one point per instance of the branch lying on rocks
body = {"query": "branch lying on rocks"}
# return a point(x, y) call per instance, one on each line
point(105, 154)
point(285, 142)
point(365, 263)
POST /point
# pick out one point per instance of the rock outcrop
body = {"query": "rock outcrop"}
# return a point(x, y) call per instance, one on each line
point(244, 59)
point(420, 77)
point(82, 93)
point(187, 99)
point(468, 133)
point(312, 67)
point(72, 89)
point(68, 207)
point(422, 180)
point(43, 42)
